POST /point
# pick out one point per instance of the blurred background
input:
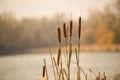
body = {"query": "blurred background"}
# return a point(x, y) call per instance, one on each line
point(29, 26)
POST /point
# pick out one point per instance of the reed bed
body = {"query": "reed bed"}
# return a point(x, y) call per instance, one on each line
point(63, 71)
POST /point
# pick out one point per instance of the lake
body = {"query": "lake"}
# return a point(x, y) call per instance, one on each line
point(29, 66)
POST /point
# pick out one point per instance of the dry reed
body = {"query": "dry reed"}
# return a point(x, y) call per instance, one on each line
point(78, 60)
point(52, 63)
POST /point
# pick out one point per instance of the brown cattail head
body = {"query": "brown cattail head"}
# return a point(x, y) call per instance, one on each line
point(79, 28)
point(58, 57)
point(71, 25)
point(64, 30)
point(43, 71)
point(59, 35)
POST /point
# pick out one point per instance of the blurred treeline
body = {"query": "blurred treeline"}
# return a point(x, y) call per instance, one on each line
point(101, 27)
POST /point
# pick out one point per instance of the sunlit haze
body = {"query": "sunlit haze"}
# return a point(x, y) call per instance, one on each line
point(37, 8)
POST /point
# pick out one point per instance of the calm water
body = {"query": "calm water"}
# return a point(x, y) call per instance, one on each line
point(29, 66)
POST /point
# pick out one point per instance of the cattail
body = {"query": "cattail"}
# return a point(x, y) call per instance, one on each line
point(64, 31)
point(59, 35)
point(71, 25)
point(43, 71)
point(79, 28)
point(58, 57)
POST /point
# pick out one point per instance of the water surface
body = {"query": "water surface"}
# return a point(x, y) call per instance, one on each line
point(29, 66)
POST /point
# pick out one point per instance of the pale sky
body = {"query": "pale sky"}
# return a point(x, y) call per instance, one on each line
point(37, 8)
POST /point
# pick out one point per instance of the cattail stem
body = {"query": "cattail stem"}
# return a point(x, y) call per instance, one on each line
point(65, 33)
point(79, 34)
point(57, 69)
point(78, 67)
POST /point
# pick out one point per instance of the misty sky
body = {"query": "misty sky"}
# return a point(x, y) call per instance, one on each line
point(37, 8)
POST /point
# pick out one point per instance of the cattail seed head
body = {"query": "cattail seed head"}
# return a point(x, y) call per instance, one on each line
point(79, 28)
point(71, 25)
point(64, 31)
point(59, 35)
point(58, 57)
point(43, 71)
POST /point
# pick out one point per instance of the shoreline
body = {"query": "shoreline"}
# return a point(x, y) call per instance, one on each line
point(83, 48)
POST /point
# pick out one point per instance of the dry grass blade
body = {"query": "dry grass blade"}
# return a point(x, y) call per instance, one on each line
point(56, 67)
point(65, 73)
point(52, 63)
